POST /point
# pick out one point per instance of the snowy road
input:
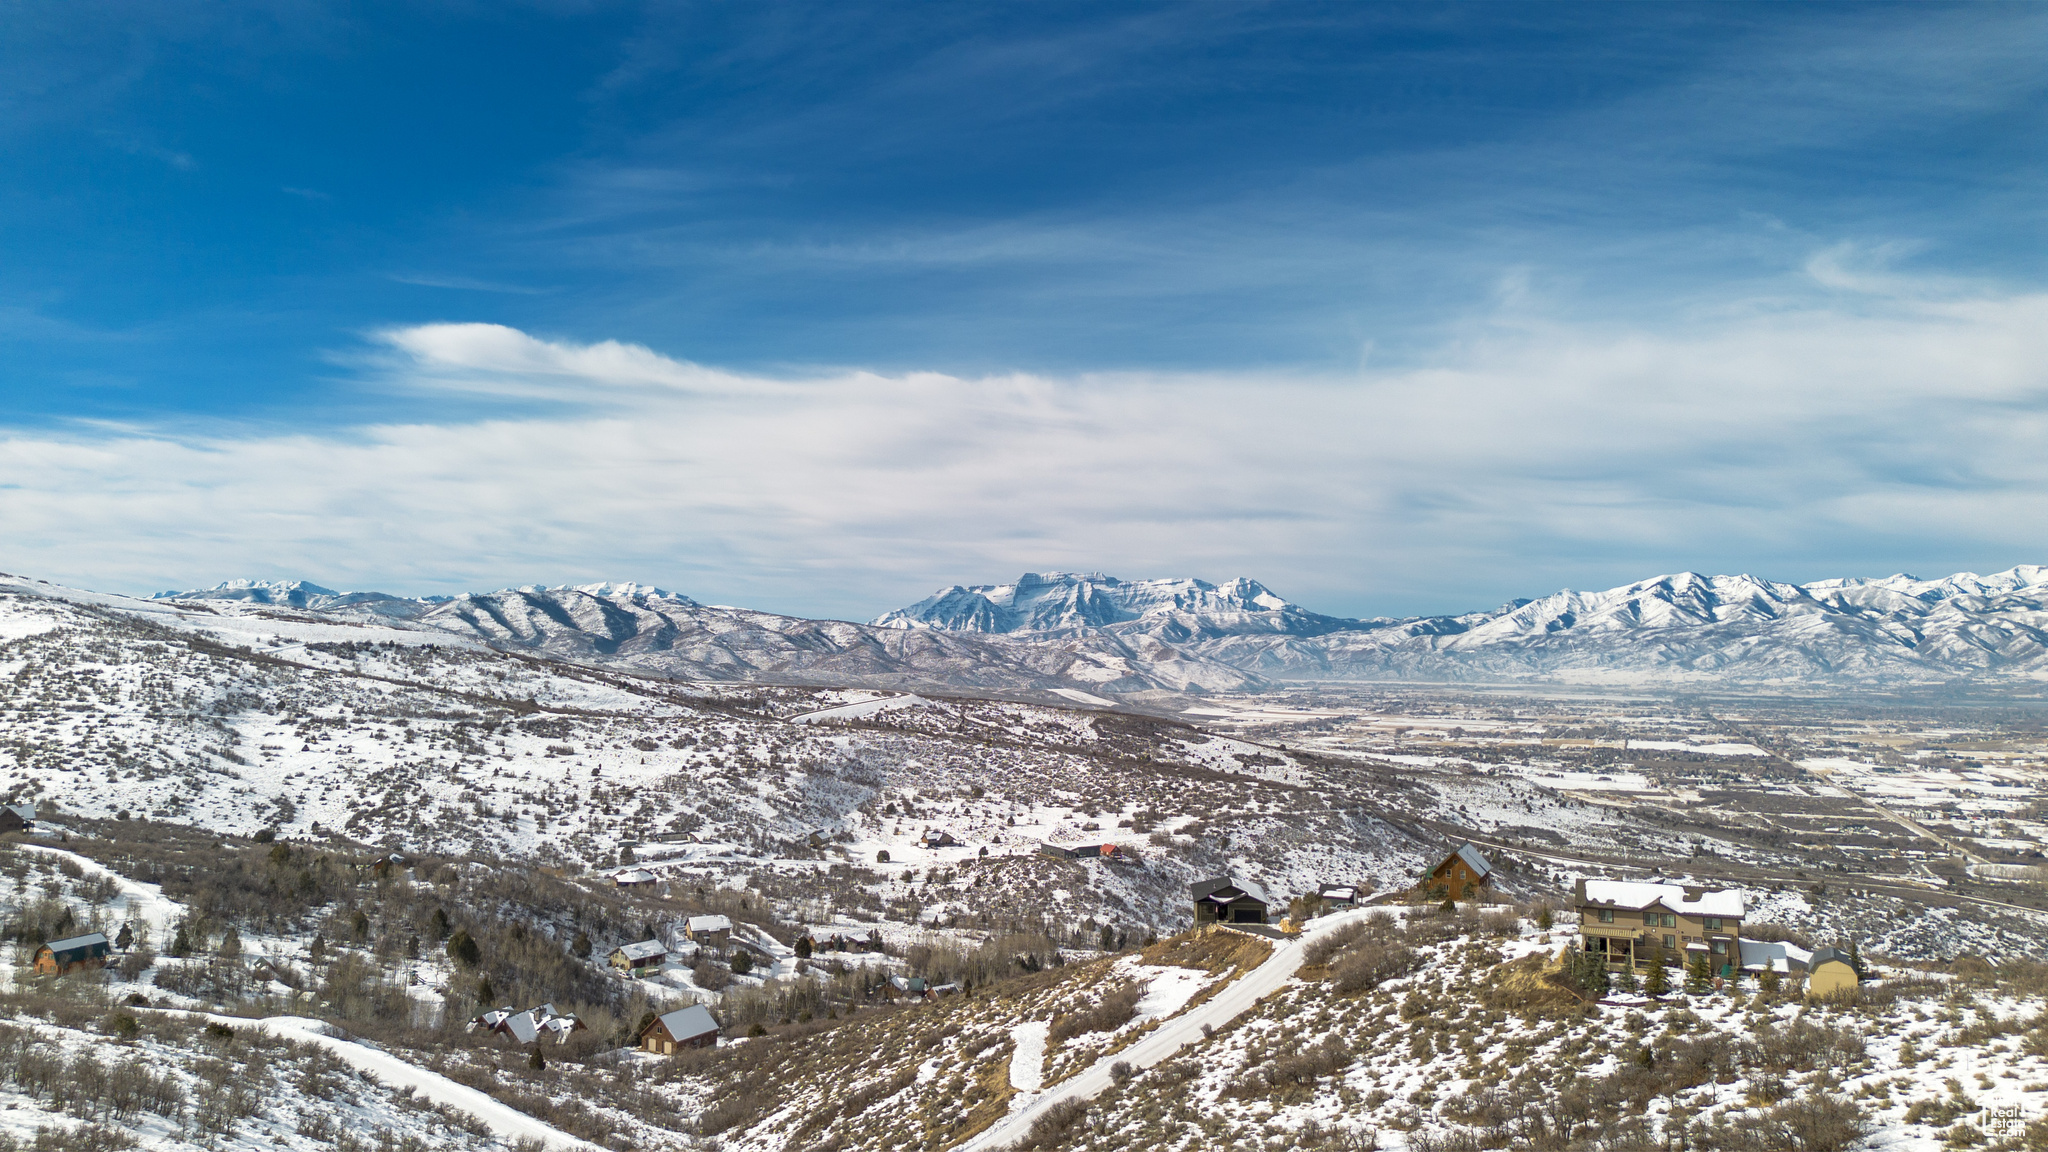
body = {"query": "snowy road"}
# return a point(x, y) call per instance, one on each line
point(1170, 1037)
point(505, 1121)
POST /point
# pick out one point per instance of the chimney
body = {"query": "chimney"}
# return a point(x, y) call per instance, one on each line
point(1693, 894)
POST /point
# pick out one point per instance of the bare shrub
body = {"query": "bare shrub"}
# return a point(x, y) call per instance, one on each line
point(1371, 965)
point(1118, 1004)
point(1051, 1127)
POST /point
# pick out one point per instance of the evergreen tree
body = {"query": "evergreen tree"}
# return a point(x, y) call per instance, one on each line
point(804, 947)
point(1625, 980)
point(1697, 974)
point(1658, 982)
point(485, 994)
point(1544, 920)
point(182, 945)
point(438, 924)
point(126, 939)
point(1768, 981)
point(742, 961)
point(581, 946)
point(463, 950)
point(536, 1061)
point(231, 944)
point(1855, 958)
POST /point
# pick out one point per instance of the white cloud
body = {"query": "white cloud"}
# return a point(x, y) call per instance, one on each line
point(1796, 443)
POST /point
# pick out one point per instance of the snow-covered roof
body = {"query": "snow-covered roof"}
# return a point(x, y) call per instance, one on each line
point(1338, 892)
point(689, 1023)
point(633, 876)
point(25, 811)
point(1474, 859)
point(1777, 954)
point(696, 924)
point(644, 950)
point(1638, 895)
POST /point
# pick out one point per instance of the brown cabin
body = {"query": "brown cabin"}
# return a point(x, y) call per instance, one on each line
point(1461, 875)
point(670, 1032)
point(73, 953)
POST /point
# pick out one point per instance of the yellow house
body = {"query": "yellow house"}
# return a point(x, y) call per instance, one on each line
point(1831, 971)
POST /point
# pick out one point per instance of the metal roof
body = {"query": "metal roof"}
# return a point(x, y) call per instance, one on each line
point(72, 943)
point(1474, 859)
point(689, 1023)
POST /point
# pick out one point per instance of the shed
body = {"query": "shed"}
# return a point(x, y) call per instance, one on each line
point(692, 1027)
point(17, 818)
point(938, 838)
point(636, 958)
point(1222, 900)
point(1830, 971)
point(1461, 874)
point(73, 953)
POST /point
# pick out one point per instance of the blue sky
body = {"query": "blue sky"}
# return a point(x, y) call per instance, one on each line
point(1398, 308)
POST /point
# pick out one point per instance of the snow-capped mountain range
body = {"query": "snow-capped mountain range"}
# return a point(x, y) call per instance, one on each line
point(1096, 633)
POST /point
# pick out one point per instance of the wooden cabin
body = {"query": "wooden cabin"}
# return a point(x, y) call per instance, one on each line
point(1461, 875)
point(73, 953)
point(670, 1032)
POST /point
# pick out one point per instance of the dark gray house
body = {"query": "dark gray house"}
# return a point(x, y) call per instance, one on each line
point(1224, 901)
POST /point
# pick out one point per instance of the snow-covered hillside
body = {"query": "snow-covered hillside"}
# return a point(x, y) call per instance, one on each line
point(1679, 627)
point(239, 716)
point(660, 633)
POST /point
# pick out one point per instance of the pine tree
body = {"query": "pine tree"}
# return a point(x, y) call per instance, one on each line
point(581, 946)
point(536, 1061)
point(804, 947)
point(182, 945)
point(231, 944)
point(1768, 982)
point(1697, 975)
point(126, 939)
point(438, 924)
point(1544, 920)
point(1658, 981)
point(463, 950)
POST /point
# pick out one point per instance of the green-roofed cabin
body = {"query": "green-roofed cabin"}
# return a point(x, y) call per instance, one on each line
point(73, 953)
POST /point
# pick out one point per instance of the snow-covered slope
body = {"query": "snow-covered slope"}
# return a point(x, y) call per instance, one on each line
point(1066, 603)
point(1684, 626)
point(656, 632)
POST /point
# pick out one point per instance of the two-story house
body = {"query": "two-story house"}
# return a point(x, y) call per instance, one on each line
point(1628, 921)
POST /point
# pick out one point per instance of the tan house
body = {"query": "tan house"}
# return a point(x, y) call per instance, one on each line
point(1628, 922)
point(1831, 971)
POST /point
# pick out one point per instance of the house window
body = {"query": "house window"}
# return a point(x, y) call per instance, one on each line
point(1670, 921)
point(1607, 915)
point(1720, 947)
point(1670, 942)
point(1713, 923)
point(1650, 918)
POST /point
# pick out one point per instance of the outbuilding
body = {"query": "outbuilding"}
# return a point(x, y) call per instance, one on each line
point(17, 818)
point(692, 1027)
point(73, 953)
point(1832, 970)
